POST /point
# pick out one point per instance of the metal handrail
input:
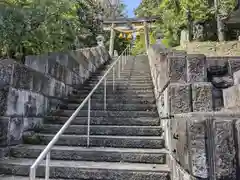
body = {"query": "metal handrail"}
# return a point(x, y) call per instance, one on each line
point(46, 152)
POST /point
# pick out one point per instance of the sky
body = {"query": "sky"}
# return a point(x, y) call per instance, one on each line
point(131, 5)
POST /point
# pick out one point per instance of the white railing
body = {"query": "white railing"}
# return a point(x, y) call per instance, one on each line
point(46, 153)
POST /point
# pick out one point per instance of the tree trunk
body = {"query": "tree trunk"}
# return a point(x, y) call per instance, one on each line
point(220, 25)
point(220, 29)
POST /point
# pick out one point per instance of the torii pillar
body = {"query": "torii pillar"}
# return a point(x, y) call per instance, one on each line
point(146, 32)
point(111, 45)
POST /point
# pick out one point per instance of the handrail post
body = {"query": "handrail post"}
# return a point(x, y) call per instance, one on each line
point(105, 93)
point(129, 51)
point(47, 168)
point(119, 68)
point(123, 59)
point(89, 118)
point(126, 55)
point(32, 173)
point(126, 59)
point(113, 78)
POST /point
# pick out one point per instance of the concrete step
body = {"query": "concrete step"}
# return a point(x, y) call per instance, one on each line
point(96, 154)
point(121, 87)
point(113, 107)
point(153, 142)
point(9, 177)
point(104, 130)
point(124, 84)
point(112, 101)
point(123, 75)
point(127, 81)
point(110, 92)
point(123, 121)
point(123, 78)
point(117, 99)
point(131, 73)
point(143, 73)
point(99, 113)
point(115, 95)
point(118, 90)
point(80, 170)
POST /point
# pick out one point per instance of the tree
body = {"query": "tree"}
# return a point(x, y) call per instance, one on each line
point(40, 26)
point(173, 16)
point(147, 8)
point(119, 12)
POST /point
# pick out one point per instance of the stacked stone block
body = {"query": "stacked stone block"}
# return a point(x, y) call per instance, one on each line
point(31, 91)
point(231, 95)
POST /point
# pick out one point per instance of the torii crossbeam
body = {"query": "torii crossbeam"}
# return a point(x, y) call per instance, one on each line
point(128, 25)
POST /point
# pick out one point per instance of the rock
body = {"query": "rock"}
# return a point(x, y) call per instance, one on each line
point(202, 97)
point(236, 77)
point(222, 82)
point(217, 99)
point(224, 150)
point(196, 68)
point(179, 98)
point(217, 66)
point(231, 97)
point(196, 147)
point(177, 69)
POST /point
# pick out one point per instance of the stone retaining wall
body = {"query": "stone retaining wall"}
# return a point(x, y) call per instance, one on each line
point(31, 91)
point(203, 142)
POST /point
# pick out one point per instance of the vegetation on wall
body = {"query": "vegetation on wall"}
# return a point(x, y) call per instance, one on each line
point(34, 27)
point(173, 14)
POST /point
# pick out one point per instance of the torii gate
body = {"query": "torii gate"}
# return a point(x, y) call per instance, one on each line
point(121, 26)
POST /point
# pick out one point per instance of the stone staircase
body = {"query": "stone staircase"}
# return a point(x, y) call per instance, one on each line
point(126, 141)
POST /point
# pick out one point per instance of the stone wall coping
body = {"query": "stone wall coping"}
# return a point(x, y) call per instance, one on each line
point(222, 57)
point(175, 56)
point(195, 54)
point(8, 61)
point(4, 118)
point(209, 114)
